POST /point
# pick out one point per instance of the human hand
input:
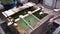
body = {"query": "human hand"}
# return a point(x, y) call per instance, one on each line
point(56, 10)
point(50, 21)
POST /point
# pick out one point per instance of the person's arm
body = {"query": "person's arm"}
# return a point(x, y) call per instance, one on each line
point(52, 19)
point(55, 17)
point(56, 9)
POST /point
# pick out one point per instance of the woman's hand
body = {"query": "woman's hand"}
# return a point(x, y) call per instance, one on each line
point(50, 21)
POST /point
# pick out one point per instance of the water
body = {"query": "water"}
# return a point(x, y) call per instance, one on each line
point(27, 22)
point(23, 12)
point(38, 15)
point(22, 24)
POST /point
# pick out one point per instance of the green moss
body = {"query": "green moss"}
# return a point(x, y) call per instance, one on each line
point(23, 24)
point(31, 20)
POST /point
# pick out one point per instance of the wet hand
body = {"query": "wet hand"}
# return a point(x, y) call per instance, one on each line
point(50, 21)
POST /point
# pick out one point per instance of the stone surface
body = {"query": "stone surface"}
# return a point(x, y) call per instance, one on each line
point(1, 31)
point(57, 31)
